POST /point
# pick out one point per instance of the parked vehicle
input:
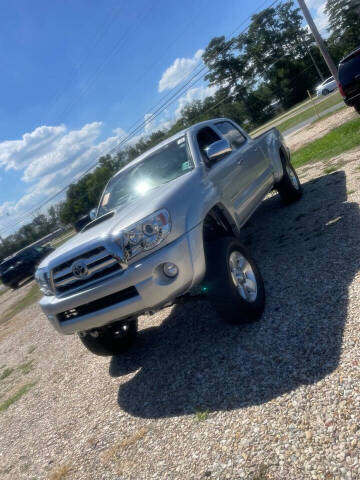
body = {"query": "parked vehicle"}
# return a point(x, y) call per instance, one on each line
point(326, 87)
point(167, 226)
point(349, 77)
point(22, 265)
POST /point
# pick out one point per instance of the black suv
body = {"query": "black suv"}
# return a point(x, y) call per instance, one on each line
point(22, 265)
point(349, 77)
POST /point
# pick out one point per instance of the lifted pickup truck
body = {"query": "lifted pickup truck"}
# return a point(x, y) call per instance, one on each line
point(167, 225)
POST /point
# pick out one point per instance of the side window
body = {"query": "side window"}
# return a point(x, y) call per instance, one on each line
point(206, 137)
point(232, 134)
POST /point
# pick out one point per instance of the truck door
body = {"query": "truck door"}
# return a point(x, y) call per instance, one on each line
point(252, 168)
point(225, 173)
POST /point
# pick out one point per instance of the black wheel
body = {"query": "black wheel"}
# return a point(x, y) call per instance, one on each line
point(289, 188)
point(14, 286)
point(110, 340)
point(357, 108)
point(326, 91)
point(233, 282)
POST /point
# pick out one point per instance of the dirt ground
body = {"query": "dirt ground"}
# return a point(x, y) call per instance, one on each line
point(195, 398)
point(310, 133)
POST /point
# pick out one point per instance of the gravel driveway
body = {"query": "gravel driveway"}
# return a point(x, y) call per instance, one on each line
point(194, 398)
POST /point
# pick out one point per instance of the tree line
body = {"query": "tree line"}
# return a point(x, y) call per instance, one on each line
point(273, 64)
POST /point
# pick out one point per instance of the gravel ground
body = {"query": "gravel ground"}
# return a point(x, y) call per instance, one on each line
point(194, 398)
point(306, 135)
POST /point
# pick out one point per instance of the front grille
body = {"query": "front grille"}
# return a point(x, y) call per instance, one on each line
point(99, 263)
point(96, 305)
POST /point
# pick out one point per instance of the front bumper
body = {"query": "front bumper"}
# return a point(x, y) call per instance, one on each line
point(153, 288)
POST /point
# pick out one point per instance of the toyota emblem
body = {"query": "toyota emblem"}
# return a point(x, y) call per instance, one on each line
point(80, 269)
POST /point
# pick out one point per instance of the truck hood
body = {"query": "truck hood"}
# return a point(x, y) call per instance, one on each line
point(125, 216)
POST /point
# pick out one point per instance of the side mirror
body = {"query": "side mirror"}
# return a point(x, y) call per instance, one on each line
point(218, 149)
point(92, 214)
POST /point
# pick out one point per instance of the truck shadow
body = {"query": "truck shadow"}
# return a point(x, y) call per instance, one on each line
point(308, 254)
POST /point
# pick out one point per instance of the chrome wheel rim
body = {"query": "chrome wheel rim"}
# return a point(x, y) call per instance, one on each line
point(293, 177)
point(243, 276)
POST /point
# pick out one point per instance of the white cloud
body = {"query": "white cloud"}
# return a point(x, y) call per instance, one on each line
point(196, 93)
point(67, 150)
point(50, 157)
point(42, 138)
point(319, 15)
point(178, 71)
point(148, 124)
point(119, 132)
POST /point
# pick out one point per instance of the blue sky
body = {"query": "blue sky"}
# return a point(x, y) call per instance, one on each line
point(77, 74)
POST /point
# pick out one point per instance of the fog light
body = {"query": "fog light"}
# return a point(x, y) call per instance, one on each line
point(170, 269)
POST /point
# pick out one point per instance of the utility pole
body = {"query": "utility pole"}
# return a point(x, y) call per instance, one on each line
point(324, 51)
point(314, 62)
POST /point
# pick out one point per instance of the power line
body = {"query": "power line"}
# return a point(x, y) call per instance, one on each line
point(82, 61)
point(135, 129)
point(92, 79)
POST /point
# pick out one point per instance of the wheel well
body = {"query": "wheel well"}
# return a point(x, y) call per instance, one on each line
point(217, 225)
point(282, 153)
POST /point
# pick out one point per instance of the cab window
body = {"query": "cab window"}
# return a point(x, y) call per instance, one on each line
point(232, 134)
point(205, 138)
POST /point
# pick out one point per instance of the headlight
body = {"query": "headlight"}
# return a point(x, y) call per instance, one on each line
point(42, 278)
point(146, 234)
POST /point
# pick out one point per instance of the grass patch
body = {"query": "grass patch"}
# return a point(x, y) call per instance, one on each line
point(339, 140)
point(114, 452)
point(262, 473)
point(310, 112)
point(17, 395)
point(26, 367)
point(32, 296)
point(201, 416)
point(350, 192)
point(333, 168)
point(8, 371)
point(59, 241)
point(281, 115)
point(60, 472)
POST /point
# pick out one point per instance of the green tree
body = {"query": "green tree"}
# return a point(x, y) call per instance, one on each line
point(344, 26)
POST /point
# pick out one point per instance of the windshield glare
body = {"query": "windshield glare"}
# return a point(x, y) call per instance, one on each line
point(169, 162)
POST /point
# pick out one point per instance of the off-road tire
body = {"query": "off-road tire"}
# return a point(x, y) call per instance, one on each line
point(106, 341)
point(289, 188)
point(220, 287)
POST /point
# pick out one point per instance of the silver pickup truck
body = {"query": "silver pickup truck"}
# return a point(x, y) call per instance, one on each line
point(167, 225)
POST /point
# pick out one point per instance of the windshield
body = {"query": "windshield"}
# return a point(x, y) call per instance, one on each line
point(169, 162)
